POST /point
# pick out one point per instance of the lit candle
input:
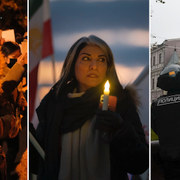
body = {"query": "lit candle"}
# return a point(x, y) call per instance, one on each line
point(106, 96)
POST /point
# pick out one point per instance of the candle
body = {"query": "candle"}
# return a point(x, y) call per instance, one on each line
point(106, 96)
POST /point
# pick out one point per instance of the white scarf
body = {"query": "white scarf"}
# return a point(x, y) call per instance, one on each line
point(84, 155)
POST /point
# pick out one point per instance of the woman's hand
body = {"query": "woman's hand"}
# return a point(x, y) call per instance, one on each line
point(108, 121)
point(22, 60)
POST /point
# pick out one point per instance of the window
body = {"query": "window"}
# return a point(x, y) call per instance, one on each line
point(152, 85)
point(154, 61)
point(160, 58)
point(151, 61)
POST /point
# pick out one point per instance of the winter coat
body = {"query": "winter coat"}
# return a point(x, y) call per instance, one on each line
point(129, 151)
point(166, 124)
point(165, 118)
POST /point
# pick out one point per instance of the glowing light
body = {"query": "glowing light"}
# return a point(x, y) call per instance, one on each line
point(106, 96)
point(107, 86)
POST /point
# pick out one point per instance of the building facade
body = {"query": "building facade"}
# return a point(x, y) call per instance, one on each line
point(160, 57)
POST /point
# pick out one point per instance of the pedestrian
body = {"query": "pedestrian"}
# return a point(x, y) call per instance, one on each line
point(165, 118)
point(13, 104)
point(80, 140)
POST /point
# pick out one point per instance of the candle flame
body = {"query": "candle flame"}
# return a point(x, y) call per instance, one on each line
point(107, 85)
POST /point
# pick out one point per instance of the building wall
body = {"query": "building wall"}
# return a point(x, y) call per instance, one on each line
point(160, 57)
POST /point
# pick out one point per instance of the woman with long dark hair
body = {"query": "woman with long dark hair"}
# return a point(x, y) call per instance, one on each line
point(80, 140)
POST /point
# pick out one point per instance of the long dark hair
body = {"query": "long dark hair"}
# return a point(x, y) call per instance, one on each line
point(67, 73)
point(9, 47)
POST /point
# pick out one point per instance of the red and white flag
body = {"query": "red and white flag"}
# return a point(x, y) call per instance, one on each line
point(40, 44)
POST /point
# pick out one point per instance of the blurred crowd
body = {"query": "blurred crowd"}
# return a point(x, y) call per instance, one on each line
point(13, 107)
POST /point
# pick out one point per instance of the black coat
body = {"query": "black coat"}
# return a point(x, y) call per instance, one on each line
point(165, 120)
point(129, 151)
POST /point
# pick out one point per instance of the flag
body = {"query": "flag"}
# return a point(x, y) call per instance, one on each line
point(142, 84)
point(40, 44)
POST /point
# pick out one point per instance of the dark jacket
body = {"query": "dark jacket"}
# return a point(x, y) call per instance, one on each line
point(7, 119)
point(166, 122)
point(129, 151)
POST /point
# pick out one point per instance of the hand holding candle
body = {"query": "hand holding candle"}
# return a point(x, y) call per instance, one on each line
point(108, 121)
point(106, 96)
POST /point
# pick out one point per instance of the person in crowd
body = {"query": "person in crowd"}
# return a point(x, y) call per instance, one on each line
point(13, 104)
point(165, 118)
point(9, 80)
point(9, 128)
point(80, 140)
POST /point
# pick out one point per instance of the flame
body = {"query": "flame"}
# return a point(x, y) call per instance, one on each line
point(107, 86)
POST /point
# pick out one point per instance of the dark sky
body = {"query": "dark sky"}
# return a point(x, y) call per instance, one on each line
point(70, 18)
